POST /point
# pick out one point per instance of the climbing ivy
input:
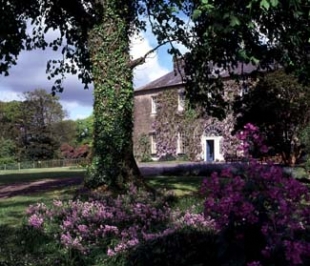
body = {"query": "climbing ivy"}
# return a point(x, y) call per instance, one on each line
point(169, 123)
point(192, 122)
point(113, 94)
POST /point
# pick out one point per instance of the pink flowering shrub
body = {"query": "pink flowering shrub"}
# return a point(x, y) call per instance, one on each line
point(113, 224)
point(262, 210)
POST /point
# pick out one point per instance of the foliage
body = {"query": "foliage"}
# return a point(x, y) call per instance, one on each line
point(69, 152)
point(188, 126)
point(10, 113)
point(84, 128)
point(39, 111)
point(226, 36)
point(113, 162)
point(304, 136)
point(65, 131)
point(7, 150)
point(279, 106)
point(171, 124)
point(34, 139)
point(144, 148)
point(113, 226)
point(94, 42)
point(262, 204)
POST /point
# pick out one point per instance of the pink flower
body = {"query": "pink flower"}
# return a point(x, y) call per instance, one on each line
point(35, 221)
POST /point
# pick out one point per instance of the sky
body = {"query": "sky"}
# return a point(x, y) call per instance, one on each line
point(30, 74)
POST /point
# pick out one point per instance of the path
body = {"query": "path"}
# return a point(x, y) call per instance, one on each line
point(147, 169)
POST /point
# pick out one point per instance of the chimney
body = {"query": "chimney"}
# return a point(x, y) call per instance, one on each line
point(178, 64)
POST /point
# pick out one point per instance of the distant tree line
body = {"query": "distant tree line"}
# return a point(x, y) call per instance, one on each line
point(35, 129)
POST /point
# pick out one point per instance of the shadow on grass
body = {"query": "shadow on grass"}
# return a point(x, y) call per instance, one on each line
point(19, 177)
point(185, 184)
point(23, 246)
point(13, 210)
point(38, 186)
point(185, 248)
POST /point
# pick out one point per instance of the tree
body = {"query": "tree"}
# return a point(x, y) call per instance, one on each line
point(40, 112)
point(279, 106)
point(84, 130)
point(7, 151)
point(9, 116)
point(64, 131)
point(94, 37)
point(228, 35)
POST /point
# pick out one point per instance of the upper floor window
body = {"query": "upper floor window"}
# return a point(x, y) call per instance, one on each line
point(181, 101)
point(153, 106)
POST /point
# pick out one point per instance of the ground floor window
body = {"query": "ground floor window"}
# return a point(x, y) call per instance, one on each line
point(153, 144)
point(181, 143)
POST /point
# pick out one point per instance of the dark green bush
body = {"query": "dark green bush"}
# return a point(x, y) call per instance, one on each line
point(182, 248)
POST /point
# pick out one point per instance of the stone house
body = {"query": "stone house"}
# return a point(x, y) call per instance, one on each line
point(163, 127)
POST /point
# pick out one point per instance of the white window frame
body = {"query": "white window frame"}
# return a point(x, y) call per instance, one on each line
point(153, 106)
point(153, 144)
point(181, 101)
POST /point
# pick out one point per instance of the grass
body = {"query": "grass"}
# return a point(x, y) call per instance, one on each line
point(8, 177)
point(180, 185)
point(12, 209)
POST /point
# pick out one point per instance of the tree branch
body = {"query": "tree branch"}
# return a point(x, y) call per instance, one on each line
point(141, 60)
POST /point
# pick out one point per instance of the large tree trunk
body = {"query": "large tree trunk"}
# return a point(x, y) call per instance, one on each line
point(113, 162)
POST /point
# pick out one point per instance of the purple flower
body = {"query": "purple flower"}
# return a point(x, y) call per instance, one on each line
point(36, 221)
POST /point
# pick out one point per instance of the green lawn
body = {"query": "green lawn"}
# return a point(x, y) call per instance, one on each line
point(12, 209)
point(180, 185)
point(12, 213)
point(7, 177)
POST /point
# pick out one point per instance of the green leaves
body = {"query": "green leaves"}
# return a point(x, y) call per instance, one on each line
point(203, 8)
point(274, 3)
point(234, 21)
point(265, 4)
point(196, 14)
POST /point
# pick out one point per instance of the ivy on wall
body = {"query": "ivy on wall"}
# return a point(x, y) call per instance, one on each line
point(191, 124)
point(169, 123)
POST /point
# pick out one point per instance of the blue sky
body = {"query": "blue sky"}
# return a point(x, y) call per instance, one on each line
point(29, 74)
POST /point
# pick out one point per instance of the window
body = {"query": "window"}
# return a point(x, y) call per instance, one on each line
point(153, 106)
point(244, 89)
point(153, 144)
point(181, 143)
point(181, 101)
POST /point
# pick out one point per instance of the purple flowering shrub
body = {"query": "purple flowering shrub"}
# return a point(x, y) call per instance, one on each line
point(114, 225)
point(262, 210)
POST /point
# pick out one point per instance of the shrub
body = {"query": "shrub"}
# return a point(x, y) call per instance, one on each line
point(262, 204)
point(111, 225)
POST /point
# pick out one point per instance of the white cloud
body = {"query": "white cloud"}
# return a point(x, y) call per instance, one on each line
point(151, 69)
point(8, 96)
point(75, 110)
point(29, 74)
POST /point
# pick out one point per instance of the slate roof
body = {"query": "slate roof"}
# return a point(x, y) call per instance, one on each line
point(174, 78)
point(170, 79)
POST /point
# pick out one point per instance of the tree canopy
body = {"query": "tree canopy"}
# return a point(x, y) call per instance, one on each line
point(94, 41)
point(279, 106)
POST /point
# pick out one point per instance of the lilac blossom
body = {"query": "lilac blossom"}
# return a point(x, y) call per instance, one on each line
point(263, 196)
point(36, 221)
point(117, 224)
